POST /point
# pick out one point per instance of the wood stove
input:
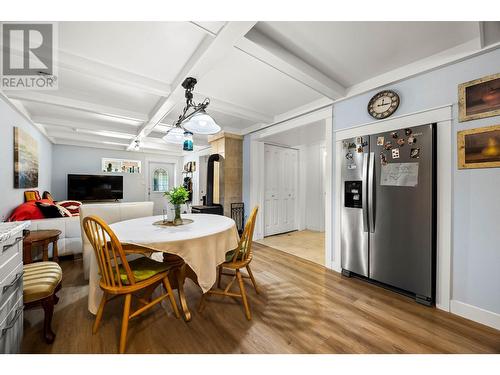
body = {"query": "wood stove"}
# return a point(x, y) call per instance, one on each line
point(209, 207)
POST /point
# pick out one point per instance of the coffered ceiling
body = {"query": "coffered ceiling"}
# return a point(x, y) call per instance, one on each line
point(120, 81)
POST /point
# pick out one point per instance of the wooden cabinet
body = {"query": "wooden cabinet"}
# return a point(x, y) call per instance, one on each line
point(11, 286)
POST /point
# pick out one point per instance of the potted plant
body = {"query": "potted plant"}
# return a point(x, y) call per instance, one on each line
point(177, 196)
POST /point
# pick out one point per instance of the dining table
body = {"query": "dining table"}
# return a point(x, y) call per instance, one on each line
point(201, 243)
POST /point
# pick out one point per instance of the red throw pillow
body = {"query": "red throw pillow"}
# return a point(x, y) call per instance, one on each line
point(71, 206)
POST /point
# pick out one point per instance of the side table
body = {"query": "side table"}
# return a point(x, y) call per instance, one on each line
point(41, 238)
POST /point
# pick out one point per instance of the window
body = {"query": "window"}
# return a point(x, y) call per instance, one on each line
point(160, 180)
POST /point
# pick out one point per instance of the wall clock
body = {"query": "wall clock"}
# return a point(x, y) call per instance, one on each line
point(383, 104)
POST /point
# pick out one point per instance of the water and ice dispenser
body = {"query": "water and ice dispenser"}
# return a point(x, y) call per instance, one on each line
point(352, 192)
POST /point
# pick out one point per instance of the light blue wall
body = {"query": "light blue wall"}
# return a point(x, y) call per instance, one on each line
point(10, 197)
point(476, 192)
point(86, 160)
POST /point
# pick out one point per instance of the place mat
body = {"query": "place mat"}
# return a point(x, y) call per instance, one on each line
point(169, 223)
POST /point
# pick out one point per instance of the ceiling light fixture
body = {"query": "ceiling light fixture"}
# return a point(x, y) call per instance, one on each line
point(193, 120)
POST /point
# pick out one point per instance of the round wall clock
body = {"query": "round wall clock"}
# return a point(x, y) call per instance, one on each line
point(383, 104)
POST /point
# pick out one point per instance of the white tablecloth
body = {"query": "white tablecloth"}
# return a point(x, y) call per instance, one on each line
point(202, 244)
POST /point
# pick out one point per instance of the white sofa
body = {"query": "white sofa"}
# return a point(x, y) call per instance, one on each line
point(111, 213)
point(70, 240)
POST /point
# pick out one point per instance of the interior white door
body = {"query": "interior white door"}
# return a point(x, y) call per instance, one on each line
point(280, 187)
point(161, 179)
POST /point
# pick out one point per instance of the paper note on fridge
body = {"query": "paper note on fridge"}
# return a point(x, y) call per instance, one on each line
point(399, 174)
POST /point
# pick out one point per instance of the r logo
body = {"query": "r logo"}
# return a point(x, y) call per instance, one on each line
point(27, 49)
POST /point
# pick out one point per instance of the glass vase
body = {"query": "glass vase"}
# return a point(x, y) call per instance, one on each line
point(177, 218)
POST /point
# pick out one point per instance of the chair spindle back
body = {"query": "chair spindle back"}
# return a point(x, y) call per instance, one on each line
point(108, 252)
point(244, 250)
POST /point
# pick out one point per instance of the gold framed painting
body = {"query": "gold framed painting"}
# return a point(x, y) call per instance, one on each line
point(479, 98)
point(479, 148)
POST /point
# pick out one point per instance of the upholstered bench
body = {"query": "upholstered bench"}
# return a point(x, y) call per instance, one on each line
point(42, 280)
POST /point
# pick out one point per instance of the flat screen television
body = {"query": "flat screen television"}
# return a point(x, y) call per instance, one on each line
point(85, 187)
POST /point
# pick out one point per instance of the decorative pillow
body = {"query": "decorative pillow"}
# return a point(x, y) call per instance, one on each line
point(72, 206)
point(31, 195)
point(49, 210)
point(47, 195)
point(26, 211)
point(64, 212)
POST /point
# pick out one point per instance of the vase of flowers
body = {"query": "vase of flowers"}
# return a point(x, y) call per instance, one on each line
point(177, 196)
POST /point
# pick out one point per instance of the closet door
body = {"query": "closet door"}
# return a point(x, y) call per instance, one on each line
point(280, 189)
point(288, 189)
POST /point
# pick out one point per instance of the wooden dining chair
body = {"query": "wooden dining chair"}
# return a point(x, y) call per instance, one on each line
point(119, 277)
point(236, 260)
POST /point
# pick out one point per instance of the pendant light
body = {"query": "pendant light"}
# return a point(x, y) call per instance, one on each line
point(193, 120)
point(188, 141)
point(174, 135)
point(201, 123)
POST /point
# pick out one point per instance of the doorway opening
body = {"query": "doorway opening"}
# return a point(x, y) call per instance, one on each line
point(295, 191)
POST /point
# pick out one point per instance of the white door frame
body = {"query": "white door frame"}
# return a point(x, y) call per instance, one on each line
point(443, 117)
point(257, 176)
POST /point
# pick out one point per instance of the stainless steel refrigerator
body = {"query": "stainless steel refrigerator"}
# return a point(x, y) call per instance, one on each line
point(388, 210)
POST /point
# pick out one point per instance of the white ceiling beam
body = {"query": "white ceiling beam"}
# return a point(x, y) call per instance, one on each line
point(235, 110)
point(264, 49)
point(84, 125)
point(206, 56)
point(80, 105)
point(98, 71)
point(84, 137)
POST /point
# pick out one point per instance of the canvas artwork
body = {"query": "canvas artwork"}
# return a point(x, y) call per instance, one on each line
point(479, 148)
point(25, 160)
point(479, 98)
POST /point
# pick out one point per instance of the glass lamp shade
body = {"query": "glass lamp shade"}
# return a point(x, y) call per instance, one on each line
point(176, 135)
point(188, 141)
point(201, 123)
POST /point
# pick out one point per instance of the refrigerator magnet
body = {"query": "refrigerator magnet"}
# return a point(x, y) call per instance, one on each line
point(388, 145)
point(360, 149)
point(380, 141)
point(345, 144)
point(383, 159)
point(395, 153)
point(415, 153)
point(401, 142)
point(359, 140)
point(408, 131)
point(394, 135)
point(412, 140)
point(348, 156)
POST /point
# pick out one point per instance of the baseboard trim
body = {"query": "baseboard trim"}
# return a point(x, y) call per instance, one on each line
point(476, 314)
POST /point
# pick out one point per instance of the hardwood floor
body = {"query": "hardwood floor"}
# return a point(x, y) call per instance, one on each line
point(302, 308)
point(306, 244)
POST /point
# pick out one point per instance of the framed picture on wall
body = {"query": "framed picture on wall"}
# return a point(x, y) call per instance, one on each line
point(479, 148)
point(479, 98)
point(25, 160)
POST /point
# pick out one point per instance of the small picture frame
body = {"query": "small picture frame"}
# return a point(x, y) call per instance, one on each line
point(479, 98)
point(479, 148)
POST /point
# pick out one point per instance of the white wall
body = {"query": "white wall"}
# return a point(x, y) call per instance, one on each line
point(475, 192)
point(10, 197)
point(86, 160)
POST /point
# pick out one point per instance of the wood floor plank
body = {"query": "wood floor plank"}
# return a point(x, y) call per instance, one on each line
point(302, 308)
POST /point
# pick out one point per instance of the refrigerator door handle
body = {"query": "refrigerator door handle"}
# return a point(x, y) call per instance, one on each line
point(371, 187)
point(364, 192)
